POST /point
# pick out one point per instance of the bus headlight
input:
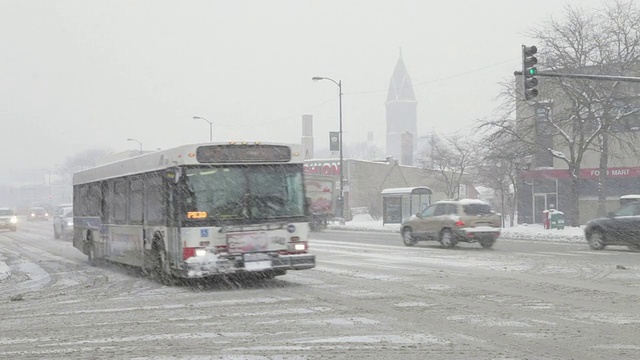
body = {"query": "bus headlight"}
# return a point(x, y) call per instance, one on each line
point(300, 247)
point(201, 252)
point(13, 220)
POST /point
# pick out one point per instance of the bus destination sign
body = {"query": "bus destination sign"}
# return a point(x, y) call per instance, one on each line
point(244, 153)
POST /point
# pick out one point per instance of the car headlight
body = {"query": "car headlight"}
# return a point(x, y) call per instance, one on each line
point(33, 214)
point(13, 220)
point(70, 223)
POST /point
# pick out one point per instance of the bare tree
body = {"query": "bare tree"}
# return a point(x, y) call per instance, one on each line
point(364, 151)
point(579, 113)
point(500, 159)
point(83, 160)
point(451, 158)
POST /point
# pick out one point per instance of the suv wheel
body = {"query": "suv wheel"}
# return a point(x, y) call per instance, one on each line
point(487, 244)
point(446, 238)
point(596, 240)
point(407, 237)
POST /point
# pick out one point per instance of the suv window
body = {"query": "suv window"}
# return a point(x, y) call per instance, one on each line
point(441, 209)
point(477, 209)
point(5, 212)
point(629, 210)
point(429, 211)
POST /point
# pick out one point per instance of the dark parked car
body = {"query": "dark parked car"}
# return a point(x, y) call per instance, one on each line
point(620, 228)
point(37, 213)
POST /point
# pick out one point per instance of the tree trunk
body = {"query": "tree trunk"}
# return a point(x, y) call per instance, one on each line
point(574, 201)
point(602, 176)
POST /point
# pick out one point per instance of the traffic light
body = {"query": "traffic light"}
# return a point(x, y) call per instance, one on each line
point(529, 71)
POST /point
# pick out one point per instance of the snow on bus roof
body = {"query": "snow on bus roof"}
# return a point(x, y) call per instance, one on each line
point(162, 159)
point(630, 196)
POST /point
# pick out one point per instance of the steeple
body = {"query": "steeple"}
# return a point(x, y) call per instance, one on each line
point(402, 121)
point(400, 87)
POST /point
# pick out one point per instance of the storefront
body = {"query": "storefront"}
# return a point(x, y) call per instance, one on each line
point(546, 189)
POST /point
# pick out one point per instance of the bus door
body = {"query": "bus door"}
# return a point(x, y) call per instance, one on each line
point(173, 184)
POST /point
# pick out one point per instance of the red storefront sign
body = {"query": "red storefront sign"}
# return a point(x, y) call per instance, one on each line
point(612, 173)
point(322, 168)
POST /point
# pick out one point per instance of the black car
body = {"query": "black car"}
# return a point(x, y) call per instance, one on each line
point(37, 213)
point(620, 228)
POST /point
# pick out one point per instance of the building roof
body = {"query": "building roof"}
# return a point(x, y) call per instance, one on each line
point(416, 190)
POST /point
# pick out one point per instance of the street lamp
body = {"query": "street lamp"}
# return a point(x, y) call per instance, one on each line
point(49, 173)
point(341, 197)
point(130, 139)
point(210, 127)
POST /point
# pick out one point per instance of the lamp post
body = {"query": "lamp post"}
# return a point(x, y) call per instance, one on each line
point(49, 181)
point(130, 139)
point(341, 197)
point(210, 127)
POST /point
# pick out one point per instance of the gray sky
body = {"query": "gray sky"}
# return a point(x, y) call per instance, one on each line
point(86, 74)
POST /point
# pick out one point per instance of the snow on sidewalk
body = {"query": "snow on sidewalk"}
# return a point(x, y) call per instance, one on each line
point(536, 232)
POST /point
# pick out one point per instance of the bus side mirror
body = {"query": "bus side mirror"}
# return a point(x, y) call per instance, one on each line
point(307, 205)
point(173, 174)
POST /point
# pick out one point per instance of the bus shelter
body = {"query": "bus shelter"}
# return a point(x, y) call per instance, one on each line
point(400, 203)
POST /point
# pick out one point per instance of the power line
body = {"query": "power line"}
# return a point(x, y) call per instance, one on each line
point(281, 119)
point(439, 79)
point(267, 122)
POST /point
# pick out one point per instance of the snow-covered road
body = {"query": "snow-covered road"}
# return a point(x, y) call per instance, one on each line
point(375, 302)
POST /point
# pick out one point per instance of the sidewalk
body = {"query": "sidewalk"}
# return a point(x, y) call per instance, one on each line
point(520, 232)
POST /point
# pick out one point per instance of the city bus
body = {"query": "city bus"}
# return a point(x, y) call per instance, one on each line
point(197, 210)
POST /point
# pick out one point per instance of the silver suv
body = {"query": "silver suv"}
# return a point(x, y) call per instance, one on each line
point(8, 219)
point(453, 221)
point(62, 222)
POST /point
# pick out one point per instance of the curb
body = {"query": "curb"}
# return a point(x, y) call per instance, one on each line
point(532, 237)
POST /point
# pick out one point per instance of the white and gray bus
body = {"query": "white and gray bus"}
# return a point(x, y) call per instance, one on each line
point(197, 210)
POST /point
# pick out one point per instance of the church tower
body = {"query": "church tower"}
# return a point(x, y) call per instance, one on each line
point(402, 121)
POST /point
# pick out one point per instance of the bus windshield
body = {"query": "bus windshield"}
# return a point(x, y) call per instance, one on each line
point(256, 192)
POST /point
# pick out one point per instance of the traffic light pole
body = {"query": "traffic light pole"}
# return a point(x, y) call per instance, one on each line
point(587, 77)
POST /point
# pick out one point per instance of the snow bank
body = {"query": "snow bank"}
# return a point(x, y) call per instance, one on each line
point(5, 270)
point(536, 232)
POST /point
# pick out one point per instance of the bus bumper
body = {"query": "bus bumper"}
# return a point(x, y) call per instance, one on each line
point(294, 262)
point(221, 265)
